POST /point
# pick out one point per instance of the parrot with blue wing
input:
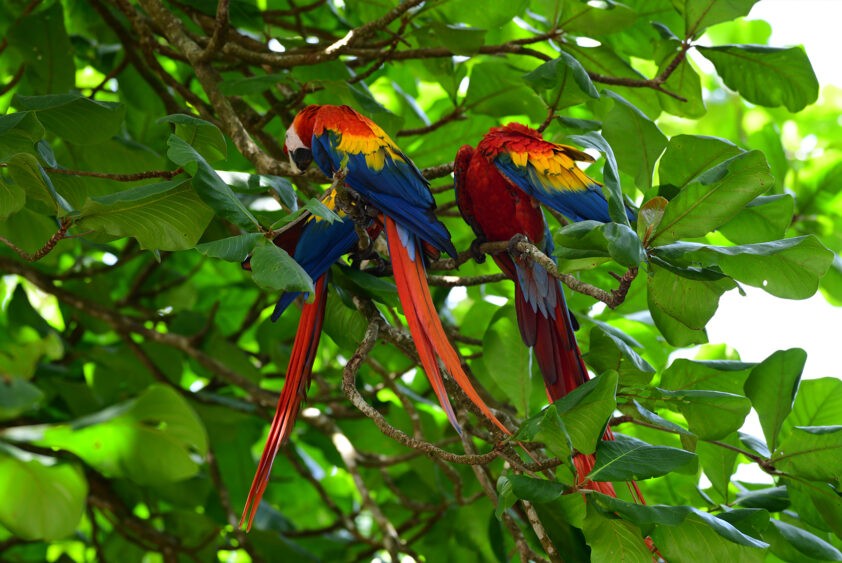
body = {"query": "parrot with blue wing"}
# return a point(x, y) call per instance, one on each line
point(342, 142)
point(500, 187)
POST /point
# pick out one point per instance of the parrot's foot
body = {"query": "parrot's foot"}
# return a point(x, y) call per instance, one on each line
point(476, 252)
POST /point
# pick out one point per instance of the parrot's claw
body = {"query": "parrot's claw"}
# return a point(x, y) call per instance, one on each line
point(476, 252)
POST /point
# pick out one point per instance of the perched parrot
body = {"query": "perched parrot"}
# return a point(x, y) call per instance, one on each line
point(499, 189)
point(340, 140)
point(315, 244)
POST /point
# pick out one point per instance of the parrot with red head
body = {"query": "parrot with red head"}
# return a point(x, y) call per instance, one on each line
point(500, 187)
point(341, 141)
point(316, 244)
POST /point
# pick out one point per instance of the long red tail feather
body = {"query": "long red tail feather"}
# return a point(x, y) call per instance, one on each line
point(425, 327)
point(295, 388)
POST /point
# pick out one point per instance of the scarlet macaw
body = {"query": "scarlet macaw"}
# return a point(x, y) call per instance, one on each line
point(338, 139)
point(315, 244)
point(499, 189)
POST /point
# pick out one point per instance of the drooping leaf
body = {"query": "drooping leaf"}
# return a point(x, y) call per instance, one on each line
point(714, 197)
point(275, 270)
point(202, 135)
point(771, 388)
point(41, 43)
point(629, 459)
point(207, 183)
point(767, 76)
point(74, 117)
point(232, 249)
point(44, 499)
point(636, 140)
point(162, 216)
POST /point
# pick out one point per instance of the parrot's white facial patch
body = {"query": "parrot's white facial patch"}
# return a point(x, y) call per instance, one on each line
point(292, 141)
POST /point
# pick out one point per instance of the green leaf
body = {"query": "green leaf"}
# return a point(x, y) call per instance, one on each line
point(629, 459)
point(274, 270)
point(684, 81)
point(250, 85)
point(43, 499)
point(17, 396)
point(789, 268)
point(771, 388)
point(807, 543)
point(232, 249)
point(210, 187)
point(765, 218)
point(497, 89)
point(43, 47)
point(659, 421)
point(27, 173)
point(660, 518)
point(716, 375)
point(202, 135)
point(535, 490)
point(718, 462)
point(811, 452)
point(687, 156)
point(714, 197)
point(609, 352)
point(766, 76)
point(692, 302)
point(700, 14)
point(150, 440)
point(596, 19)
point(586, 410)
point(74, 117)
point(589, 239)
point(492, 16)
point(459, 40)
point(162, 216)
point(547, 427)
point(773, 499)
point(12, 198)
point(18, 133)
point(508, 367)
point(818, 402)
point(612, 539)
point(566, 80)
point(710, 415)
point(636, 140)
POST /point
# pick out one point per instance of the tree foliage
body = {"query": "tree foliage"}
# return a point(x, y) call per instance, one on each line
point(141, 160)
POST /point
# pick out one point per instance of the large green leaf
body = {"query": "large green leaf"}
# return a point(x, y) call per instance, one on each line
point(162, 216)
point(767, 76)
point(687, 156)
point(586, 410)
point(18, 133)
point(609, 351)
point(12, 199)
point(74, 117)
point(587, 239)
point(275, 270)
point(150, 440)
point(565, 79)
point(692, 302)
point(613, 539)
point(765, 218)
point(44, 49)
point(806, 543)
point(811, 452)
point(660, 518)
point(43, 499)
point(629, 459)
point(700, 14)
point(717, 375)
point(203, 136)
point(232, 249)
point(207, 183)
point(498, 89)
point(508, 367)
point(710, 415)
point(771, 388)
point(636, 140)
point(789, 268)
point(714, 197)
point(548, 428)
